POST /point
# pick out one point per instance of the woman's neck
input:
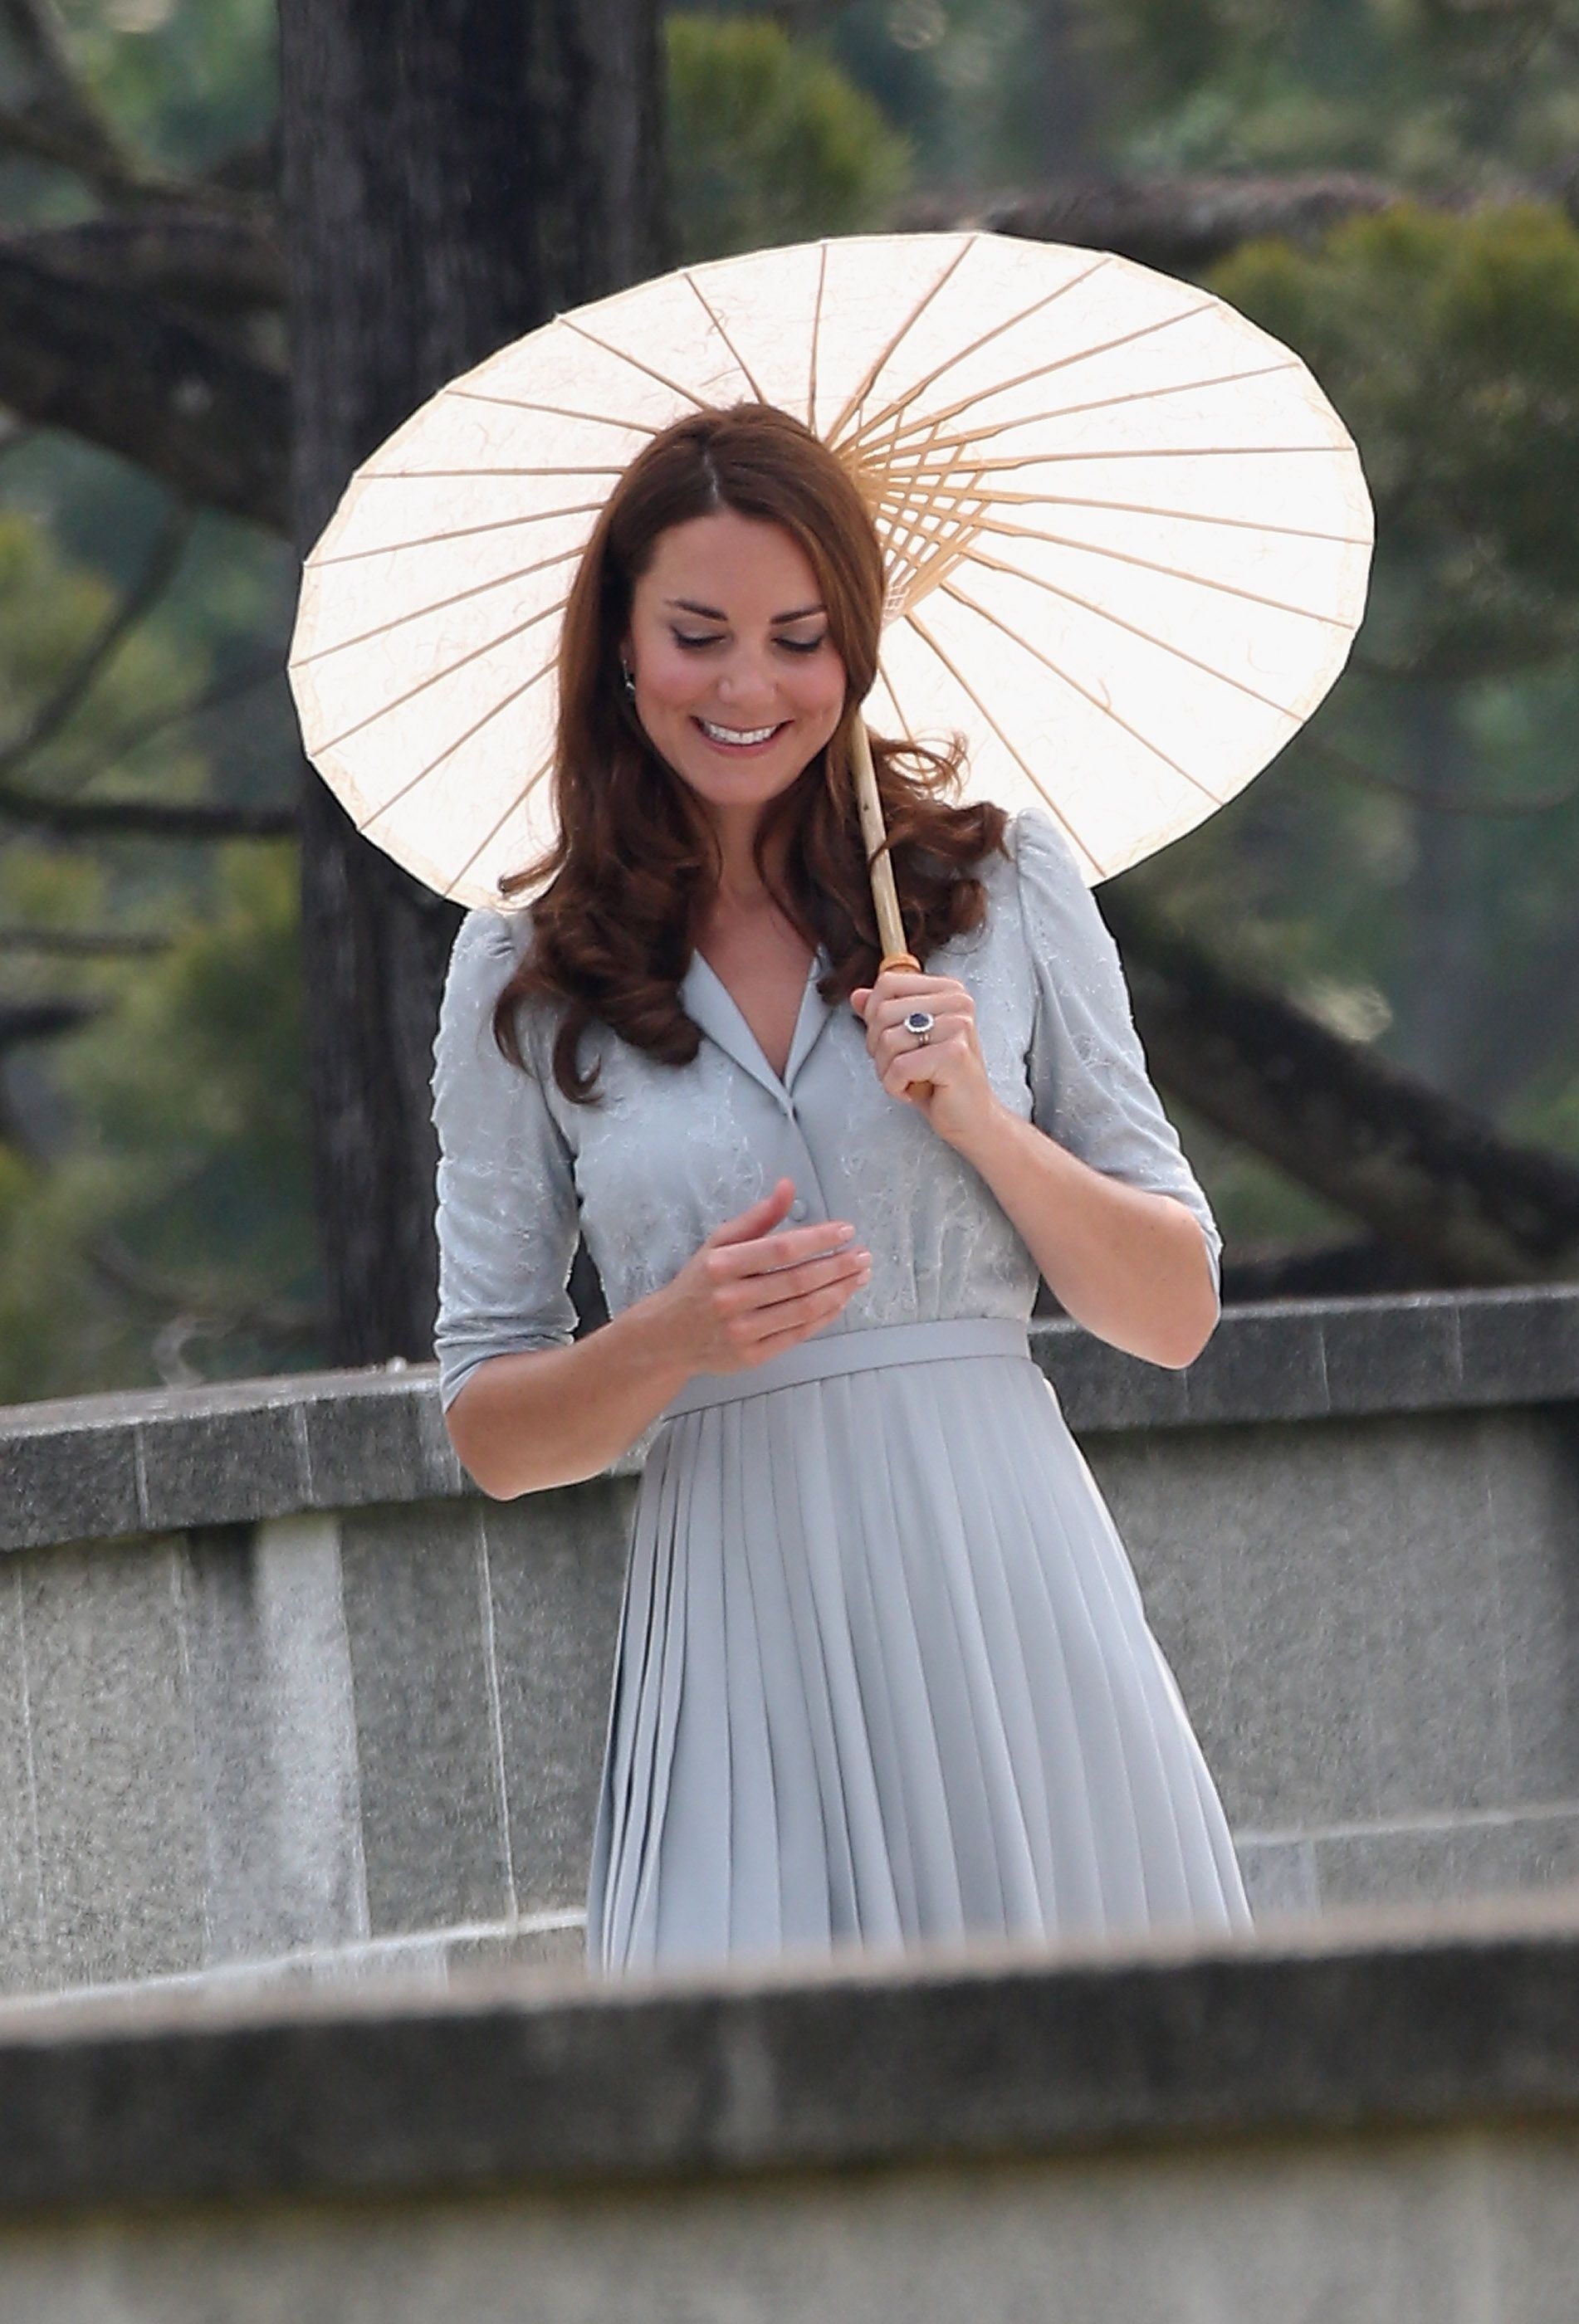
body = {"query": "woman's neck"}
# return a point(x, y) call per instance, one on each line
point(742, 891)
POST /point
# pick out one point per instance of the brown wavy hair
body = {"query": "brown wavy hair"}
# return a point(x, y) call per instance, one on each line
point(635, 865)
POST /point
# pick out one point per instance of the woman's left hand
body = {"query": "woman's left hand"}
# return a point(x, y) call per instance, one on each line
point(943, 1077)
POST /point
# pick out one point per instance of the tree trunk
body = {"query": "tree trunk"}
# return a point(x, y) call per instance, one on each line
point(455, 171)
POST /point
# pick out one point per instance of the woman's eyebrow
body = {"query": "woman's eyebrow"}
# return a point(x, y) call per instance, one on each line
point(711, 612)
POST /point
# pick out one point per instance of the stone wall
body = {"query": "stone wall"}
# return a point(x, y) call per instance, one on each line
point(1368, 2123)
point(278, 1691)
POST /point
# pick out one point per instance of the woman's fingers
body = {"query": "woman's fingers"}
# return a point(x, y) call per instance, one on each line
point(948, 1062)
point(819, 1311)
point(779, 1287)
point(891, 1001)
point(893, 1041)
point(768, 1328)
point(755, 1285)
point(913, 989)
point(769, 1254)
point(932, 1069)
point(948, 999)
point(760, 1217)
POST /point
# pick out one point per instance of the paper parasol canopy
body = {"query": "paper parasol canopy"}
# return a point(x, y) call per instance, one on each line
point(1127, 536)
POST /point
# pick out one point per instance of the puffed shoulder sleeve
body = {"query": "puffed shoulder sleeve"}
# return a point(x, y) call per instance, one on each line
point(507, 1208)
point(1090, 1086)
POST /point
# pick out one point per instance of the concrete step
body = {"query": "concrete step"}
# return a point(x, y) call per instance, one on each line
point(1372, 2118)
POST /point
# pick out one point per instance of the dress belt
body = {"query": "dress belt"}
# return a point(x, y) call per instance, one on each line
point(831, 1353)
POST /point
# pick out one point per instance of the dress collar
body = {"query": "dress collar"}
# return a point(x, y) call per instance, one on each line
point(708, 1002)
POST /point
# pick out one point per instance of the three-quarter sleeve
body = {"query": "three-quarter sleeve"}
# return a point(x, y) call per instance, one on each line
point(1090, 1087)
point(507, 1207)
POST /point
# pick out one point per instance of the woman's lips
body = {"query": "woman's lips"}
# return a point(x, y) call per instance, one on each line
point(715, 739)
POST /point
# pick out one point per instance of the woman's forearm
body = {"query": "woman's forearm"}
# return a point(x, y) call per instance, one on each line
point(752, 1290)
point(1130, 1264)
point(556, 1416)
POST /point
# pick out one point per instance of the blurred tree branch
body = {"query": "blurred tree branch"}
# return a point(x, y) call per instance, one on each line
point(190, 1315)
point(59, 120)
point(41, 1020)
point(160, 568)
point(1186, 223)
point(1513, 1033)
point(228, 263)
point(137, 818)
point(128, 1273)
point(266, 669)
point(85, 943)
point(179, 246)
point(48, 810)
point(129, 373)
point(1343, 762)
point(1426, 1172)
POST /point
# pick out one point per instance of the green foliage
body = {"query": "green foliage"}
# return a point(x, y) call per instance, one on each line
point(1416, 89)
point(1450, 345)
point(193, 1081)
point(52, 607)
point(178, 1183)
point(1418, 842)
point(152, 1166)
point(45, 1279)
point(184, 83)
point(769, 142)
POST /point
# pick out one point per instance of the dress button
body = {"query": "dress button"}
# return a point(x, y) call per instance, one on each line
point(798, 1207)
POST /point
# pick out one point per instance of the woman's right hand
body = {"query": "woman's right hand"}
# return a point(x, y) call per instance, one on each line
point(546, 1416)
point(750, 1292)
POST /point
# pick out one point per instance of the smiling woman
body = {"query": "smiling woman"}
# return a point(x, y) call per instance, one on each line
point(884, 1675)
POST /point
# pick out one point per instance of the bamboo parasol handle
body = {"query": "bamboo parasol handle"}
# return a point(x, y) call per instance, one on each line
point(891, 928)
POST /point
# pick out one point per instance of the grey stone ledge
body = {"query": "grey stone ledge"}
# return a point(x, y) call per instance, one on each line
point(1381, 2021)
point(152, 1459)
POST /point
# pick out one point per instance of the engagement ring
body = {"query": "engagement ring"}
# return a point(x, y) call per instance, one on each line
point(920, 1022)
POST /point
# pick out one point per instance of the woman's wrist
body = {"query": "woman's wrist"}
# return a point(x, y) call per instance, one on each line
point(657, 1342)
point(989, 1138)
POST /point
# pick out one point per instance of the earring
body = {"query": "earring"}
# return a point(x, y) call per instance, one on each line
point(629, 676)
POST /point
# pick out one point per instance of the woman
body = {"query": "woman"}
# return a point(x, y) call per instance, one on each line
point(883, 1673)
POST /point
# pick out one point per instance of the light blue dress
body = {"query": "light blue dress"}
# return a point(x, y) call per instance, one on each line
point(883, 1673)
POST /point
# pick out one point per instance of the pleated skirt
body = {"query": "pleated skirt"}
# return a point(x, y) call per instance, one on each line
point(883, 1676)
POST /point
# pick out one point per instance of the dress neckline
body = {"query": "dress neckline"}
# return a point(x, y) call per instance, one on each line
point(725, 1016)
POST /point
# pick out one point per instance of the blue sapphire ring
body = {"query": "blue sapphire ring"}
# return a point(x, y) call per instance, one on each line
point(920, 1022)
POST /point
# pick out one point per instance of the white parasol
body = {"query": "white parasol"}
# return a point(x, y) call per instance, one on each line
point(1127, 537)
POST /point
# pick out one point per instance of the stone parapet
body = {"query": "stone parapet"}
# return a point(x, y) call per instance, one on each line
point(1397, 2018)
point(99, 1468)
point(282, 1698)
point(1371, 2119)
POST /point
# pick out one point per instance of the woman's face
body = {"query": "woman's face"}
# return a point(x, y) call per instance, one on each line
point(738, 684)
